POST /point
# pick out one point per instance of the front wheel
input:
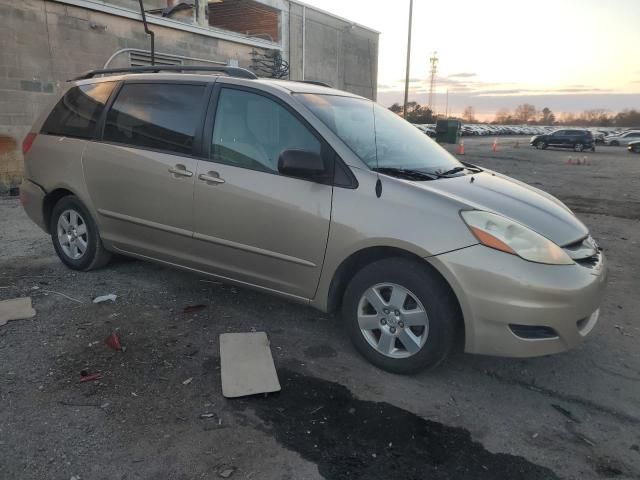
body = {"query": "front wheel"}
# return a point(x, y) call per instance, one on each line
point(400, 315)
point(75, 236)
point(578, 147)
point(541, 145)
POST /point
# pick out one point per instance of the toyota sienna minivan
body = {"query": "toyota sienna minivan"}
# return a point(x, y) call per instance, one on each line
point(319, 196)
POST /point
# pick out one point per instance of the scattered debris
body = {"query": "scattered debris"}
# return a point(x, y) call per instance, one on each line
point(247, 365)
point(193, 308)
point(89, 378)
point(207, 415)
point(113, 341)
point(16, 309)
point(227, 472)
point(105, 298)
point(64, 295)
point(188, 381)
point(622, 330)
point(566, 413)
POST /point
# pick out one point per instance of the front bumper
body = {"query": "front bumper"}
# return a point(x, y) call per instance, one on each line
point(499, 293)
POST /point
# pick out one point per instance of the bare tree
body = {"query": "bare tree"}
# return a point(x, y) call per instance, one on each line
point(525, 112)
point(469, 114)
point(547, 117)
point(503, 116)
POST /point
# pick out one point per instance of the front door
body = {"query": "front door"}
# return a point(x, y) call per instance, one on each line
point(140, 177)
point(252, 224)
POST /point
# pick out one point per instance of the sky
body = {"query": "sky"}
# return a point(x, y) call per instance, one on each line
point(568, 55)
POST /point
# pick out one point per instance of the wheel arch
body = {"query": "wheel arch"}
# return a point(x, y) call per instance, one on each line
point(50, 201)
point(357, 260)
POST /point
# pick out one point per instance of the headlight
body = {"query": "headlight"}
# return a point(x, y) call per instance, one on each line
point(498, 232)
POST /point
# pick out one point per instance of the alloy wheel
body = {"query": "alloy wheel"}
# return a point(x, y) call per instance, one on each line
point(392, 320)
point(72, 234)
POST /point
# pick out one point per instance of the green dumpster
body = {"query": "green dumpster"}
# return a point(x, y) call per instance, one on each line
point(448, 131)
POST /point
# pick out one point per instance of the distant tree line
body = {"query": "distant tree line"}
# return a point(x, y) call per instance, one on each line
point(529, 114)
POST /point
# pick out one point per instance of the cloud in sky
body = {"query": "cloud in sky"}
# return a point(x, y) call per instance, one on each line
point(463, 75)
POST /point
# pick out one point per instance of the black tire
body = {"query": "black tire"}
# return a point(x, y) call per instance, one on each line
point(429, 288)
point(95, 255)
point(635, 148)
point(541, 145)
point(578, 147)
point(614, 143)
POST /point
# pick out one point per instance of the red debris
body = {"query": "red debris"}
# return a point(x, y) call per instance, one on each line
point(194, 308)
point(113, 341)
point(90, 378)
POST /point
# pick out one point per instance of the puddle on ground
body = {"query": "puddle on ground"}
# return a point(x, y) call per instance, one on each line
point(355, 439)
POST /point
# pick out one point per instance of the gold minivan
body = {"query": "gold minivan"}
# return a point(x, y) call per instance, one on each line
point(319, 196)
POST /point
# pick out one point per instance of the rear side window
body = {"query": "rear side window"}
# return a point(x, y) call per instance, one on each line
point(157, 116)
point(78, 111)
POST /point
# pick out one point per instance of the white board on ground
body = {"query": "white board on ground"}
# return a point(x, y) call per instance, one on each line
point(246, 365)
point(16, 309)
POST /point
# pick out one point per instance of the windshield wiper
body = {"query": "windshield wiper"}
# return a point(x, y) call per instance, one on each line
point(406, 173)
point(450, 172)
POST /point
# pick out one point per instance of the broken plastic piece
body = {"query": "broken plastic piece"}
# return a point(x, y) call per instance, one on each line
point(113, 341)
point(90, 378)
point(105, 298)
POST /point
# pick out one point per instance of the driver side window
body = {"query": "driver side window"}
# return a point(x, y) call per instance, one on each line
point(251, 131)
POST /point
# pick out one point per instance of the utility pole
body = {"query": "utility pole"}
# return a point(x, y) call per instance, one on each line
point(406, 82)
point(434, 68)
point(446, 109)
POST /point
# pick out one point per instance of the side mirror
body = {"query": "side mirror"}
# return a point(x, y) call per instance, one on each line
point(301, 164)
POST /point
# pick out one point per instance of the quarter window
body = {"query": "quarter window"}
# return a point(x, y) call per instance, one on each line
point(251, 131)
point(158, 116)
point(78, 111)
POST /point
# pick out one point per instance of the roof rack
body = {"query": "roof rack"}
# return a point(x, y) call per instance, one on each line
point(231, 71)
point(313, 82)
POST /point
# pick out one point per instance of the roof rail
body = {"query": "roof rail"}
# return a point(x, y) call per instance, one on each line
point(231, 71)
point(313, 82)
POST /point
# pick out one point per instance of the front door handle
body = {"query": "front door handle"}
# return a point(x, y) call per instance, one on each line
point(211, 177)
point(180, 171)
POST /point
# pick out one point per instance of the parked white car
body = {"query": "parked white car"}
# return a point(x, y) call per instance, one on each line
point(623, 138)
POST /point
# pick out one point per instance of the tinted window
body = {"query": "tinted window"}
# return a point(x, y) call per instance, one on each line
point(251, 131)
point(78, 111)
point(158, 116)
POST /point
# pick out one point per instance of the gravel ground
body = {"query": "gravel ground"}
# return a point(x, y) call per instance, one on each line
point(574, 415)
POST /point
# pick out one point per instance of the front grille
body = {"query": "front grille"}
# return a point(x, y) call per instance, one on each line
point(532, 332)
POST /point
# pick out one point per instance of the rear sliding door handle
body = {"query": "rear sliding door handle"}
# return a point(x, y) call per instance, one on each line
point(210, 177)
point(180, 171)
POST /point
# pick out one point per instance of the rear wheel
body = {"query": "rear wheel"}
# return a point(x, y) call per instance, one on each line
point(75, 236)
point(614, 143)
point(400, 315)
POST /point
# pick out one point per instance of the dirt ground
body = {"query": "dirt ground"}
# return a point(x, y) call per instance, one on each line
point(574, 415)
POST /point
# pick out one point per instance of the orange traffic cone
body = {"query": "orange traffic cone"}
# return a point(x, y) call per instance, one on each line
point(494, 147)
point(461, 148)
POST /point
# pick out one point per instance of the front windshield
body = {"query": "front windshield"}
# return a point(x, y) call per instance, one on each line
point(378, 136)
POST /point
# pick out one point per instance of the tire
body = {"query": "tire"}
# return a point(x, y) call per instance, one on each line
point(636, 148)
point(615, 143)
point(425, 291)
point(541, 145)
point(578, 147)
point(72, 229)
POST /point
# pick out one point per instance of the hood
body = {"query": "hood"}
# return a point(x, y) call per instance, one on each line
point(511, 198)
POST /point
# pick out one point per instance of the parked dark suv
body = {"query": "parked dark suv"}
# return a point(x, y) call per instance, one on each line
point(576, 139)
